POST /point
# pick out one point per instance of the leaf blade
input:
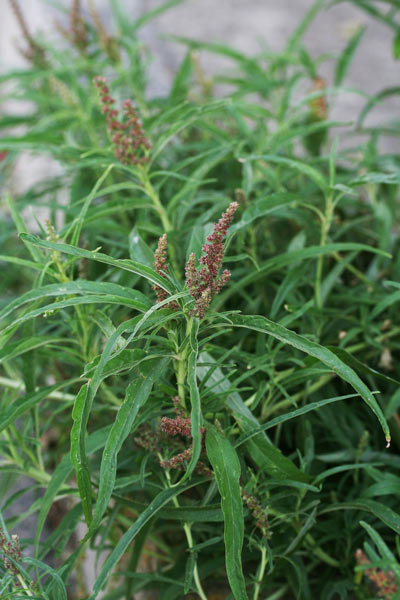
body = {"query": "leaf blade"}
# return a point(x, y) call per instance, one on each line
point(226, 467)
point(326, 356)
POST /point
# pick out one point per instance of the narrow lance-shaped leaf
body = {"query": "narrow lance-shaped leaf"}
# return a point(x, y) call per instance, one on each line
point(76, 287)
point(159, 501)
point(126, 264)
point(226, 467)
point(29, 401)
point(78, 300)
point(265, 455)
point(136, 396)
point(194, 401)
point(78, 222)
point(83, 406)
point(325, 355)
point(78, 450)
point(95, 441)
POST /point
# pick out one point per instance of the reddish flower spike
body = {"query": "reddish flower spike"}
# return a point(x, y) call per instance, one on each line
point(205, 283)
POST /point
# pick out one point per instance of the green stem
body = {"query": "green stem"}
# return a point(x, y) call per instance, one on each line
point(320, 553)
point(166, 223)
point(180, 364)
point(180, 377)
point(260, 572)
point(196, 577)
point(187, 529)
point(355, 271)
point(24, 586)
point(291, 402)
point(326, 223)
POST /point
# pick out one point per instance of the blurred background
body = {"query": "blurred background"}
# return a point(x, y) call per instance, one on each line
point(250, 26)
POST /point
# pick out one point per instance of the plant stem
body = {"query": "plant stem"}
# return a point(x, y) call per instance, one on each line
point(325, 226)
point(291, 402)
point(189, 538)
point(320, 553)
point(166, 223)
point(196, 577)
point(24, 586)
point(260, 572)
point(180, 377)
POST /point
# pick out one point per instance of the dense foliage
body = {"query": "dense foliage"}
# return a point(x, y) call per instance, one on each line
point(199, 339)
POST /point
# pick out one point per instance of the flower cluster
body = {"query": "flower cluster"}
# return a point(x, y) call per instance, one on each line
point(177, 426)
point(109, 44)
point(165, 437)
point(77, 32)
point(161, 267)
point(178, 461)
point(384, 581)
point(204, 283)
point(34, 52)
point(257, 513)
point(131, 146)
point(147, 439)
point(12, 550)
point(181, 426)
point(319, 106)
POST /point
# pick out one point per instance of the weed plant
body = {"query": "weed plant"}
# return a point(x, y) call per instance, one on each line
point(199, 345)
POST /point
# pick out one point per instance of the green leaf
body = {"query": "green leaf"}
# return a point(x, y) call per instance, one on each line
point(181, 84)
point(28, 401)
point(289, 258)
point(123, 361)
point(325, 355)
point(195, 413)
point(296, 165)
point(384, 550)
point(382, 512)
point(291, 415)
point(197, 237)
point(155, 505)
point(80, 416)
point(78, 300)
point(126, 264)
point(226, 467)
point(46, 569)
point(264, 206)
point(189, 570)
point(304, 24)
point(63, 470)
point(82, 288)
point(396, 45)
point(139, 250)
point(388, 178)
point(387, 301)
point(22, 262)
point(344, 61)
point(359, 366)
point(136, 396)
point(151, 14)
point(21, 228)
point(377, 99)
point(78, 222)
point(266, 456)
point(28, 344)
